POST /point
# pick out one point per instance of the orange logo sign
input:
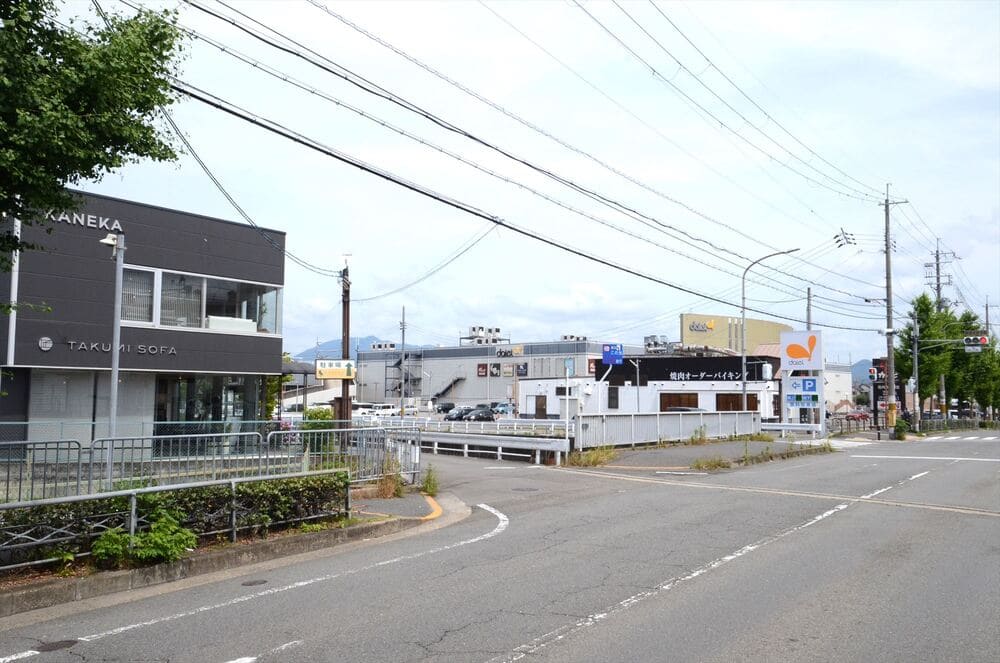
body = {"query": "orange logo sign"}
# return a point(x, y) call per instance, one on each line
point(796, 351)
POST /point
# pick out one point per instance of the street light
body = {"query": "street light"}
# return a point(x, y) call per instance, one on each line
point(743, 319)
point(117, 244)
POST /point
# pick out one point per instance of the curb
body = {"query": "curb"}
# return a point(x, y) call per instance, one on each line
point(66, 590)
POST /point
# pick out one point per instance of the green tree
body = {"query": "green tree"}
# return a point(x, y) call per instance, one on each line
point(76, 102)
point(274, 384)
point(935, 355)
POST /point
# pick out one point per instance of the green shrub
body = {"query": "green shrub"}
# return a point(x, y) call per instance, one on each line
point(166, 540)
point(901, 429)
point(111, 549)
point(430, 482)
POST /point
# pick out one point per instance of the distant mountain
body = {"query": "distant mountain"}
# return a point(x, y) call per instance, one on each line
point(332, 349)
point(859, 371)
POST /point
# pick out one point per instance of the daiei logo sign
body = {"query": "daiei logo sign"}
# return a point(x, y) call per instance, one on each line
point(801, 351)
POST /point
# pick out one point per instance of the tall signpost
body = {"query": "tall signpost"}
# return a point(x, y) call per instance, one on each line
point(802, 353)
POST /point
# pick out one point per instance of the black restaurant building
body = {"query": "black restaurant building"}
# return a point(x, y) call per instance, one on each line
point(200, 321)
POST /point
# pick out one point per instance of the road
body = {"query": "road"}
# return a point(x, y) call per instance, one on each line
point(885, 552)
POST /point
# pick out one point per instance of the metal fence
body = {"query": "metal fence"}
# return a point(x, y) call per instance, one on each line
point(87, 430)
point(598, 430)
point(931, 425)
point(25, 542)
point(839, 425)
point(31, 470)
point(519, 427)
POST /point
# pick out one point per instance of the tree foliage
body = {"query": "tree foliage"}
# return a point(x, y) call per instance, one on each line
point(968, 376)
point(76, 102)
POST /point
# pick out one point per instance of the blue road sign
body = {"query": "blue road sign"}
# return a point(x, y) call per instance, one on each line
point(612, 354)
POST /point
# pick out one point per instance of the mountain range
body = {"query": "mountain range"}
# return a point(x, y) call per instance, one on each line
point(332, 349)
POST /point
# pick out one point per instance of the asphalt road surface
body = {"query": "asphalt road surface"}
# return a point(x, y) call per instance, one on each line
point(885, 552)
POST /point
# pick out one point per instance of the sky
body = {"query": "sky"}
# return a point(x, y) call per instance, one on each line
point(679, 141)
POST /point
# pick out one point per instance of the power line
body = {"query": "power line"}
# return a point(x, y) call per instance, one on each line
point(280, 130)
point(666, 81)
point(755, 104)
point(354, 78)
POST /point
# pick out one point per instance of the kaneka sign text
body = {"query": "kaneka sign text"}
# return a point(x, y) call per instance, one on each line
point(801, 351)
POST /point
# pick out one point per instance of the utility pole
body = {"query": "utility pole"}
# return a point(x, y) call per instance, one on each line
point(917, 404)
point(402, 362)
point(809, 308)
point(890, 360)
point(937, 279)
point(345, 344)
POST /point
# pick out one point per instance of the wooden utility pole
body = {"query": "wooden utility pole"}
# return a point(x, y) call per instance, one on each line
point(345, 344)
point(890, 359)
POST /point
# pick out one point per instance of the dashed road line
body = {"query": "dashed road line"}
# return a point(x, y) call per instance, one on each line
point(981, 460)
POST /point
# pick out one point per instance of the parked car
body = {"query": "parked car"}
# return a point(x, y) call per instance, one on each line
point(857, 416)
point(444, 407)
point(458, 413)
point(678, 408)
point(411, 410)
point(479, 414)
point(504, 409)
point(385, 410)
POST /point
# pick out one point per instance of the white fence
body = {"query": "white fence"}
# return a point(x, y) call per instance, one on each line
point(599, 430)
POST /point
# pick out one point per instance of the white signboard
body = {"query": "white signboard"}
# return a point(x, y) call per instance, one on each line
point(801, 351)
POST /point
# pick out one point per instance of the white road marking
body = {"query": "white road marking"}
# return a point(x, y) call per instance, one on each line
point(847, 444)
point(877, 492)
point(971, 438)
point(501, 526)
point(700, 474)
point(19, 656)
point(950, 438)
point(917, 476)
point(567, 630)
point(280, 648)
point(991, 437)
point(981, 460)
point(933, 438)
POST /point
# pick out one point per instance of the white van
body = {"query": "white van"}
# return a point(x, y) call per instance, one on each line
point(385, 410)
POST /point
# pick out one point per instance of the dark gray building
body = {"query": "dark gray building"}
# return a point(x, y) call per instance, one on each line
point(201, 321)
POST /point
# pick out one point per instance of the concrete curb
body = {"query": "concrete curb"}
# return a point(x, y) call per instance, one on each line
point(66, 590)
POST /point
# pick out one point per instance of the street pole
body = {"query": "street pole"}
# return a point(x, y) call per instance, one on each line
point(890, 359)
point(345, 342)
point(402, 362)
point(743, 321)
point(635, 362)
point(917, 405)
point(116, 334)
point(809, 308)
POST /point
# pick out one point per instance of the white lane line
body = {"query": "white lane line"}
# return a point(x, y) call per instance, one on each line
point(567, 630)
point(19, 656)
point(981, 460)
point(276, 650)
point(917, 476)
point(950, 438)
point(699, 474)
point(970, 438)
point(991, 437)
point(501, 526)
point(933, 438)
point(515, 467)
point(877, 492)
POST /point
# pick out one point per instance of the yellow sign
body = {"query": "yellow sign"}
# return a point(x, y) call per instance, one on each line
point(339, 369)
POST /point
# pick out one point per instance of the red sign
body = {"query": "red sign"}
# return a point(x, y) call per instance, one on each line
point(481, 370)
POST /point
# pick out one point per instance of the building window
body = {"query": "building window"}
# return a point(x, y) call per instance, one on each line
point(561, 391)
point(186, 300)
point(137, 295)
point(734, 402)
point(612, 398)
point(180, 300)
point(668, 400)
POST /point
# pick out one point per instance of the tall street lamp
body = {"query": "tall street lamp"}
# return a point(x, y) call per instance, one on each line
point(743, 319)
point(117, 244)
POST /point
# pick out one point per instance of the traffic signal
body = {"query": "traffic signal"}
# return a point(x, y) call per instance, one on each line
point(873, 373)
point(973, 341)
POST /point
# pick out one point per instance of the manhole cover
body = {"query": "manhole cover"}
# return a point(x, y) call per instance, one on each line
point(55, 646)
point(525, 490)
point(254, 583)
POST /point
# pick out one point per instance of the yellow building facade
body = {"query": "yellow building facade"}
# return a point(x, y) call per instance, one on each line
point(720, 331)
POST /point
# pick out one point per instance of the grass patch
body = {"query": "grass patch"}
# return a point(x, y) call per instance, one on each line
point(698, 437)
point(430, 482)
point(752, 437)
point(591, 457)
point(795, 450)
point(711, 464)
point(390, 484)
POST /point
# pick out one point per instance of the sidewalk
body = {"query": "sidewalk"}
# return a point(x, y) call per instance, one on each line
point(411, 505)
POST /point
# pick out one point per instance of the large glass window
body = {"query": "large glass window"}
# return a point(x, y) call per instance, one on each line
point(180, 300)
point(232, 304)
point(200, 302)
point(137, 295)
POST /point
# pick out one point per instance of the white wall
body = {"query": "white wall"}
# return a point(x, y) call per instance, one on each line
point(61, 405)
point(837, 388)
point(593, 396)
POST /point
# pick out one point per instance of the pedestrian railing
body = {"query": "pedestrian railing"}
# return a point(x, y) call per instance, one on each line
point(519, 427)
point(597, 430)
point(33, 470)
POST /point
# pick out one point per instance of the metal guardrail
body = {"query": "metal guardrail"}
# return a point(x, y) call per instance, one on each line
point(520, 427)
point(790, 427)
point(32, 470)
